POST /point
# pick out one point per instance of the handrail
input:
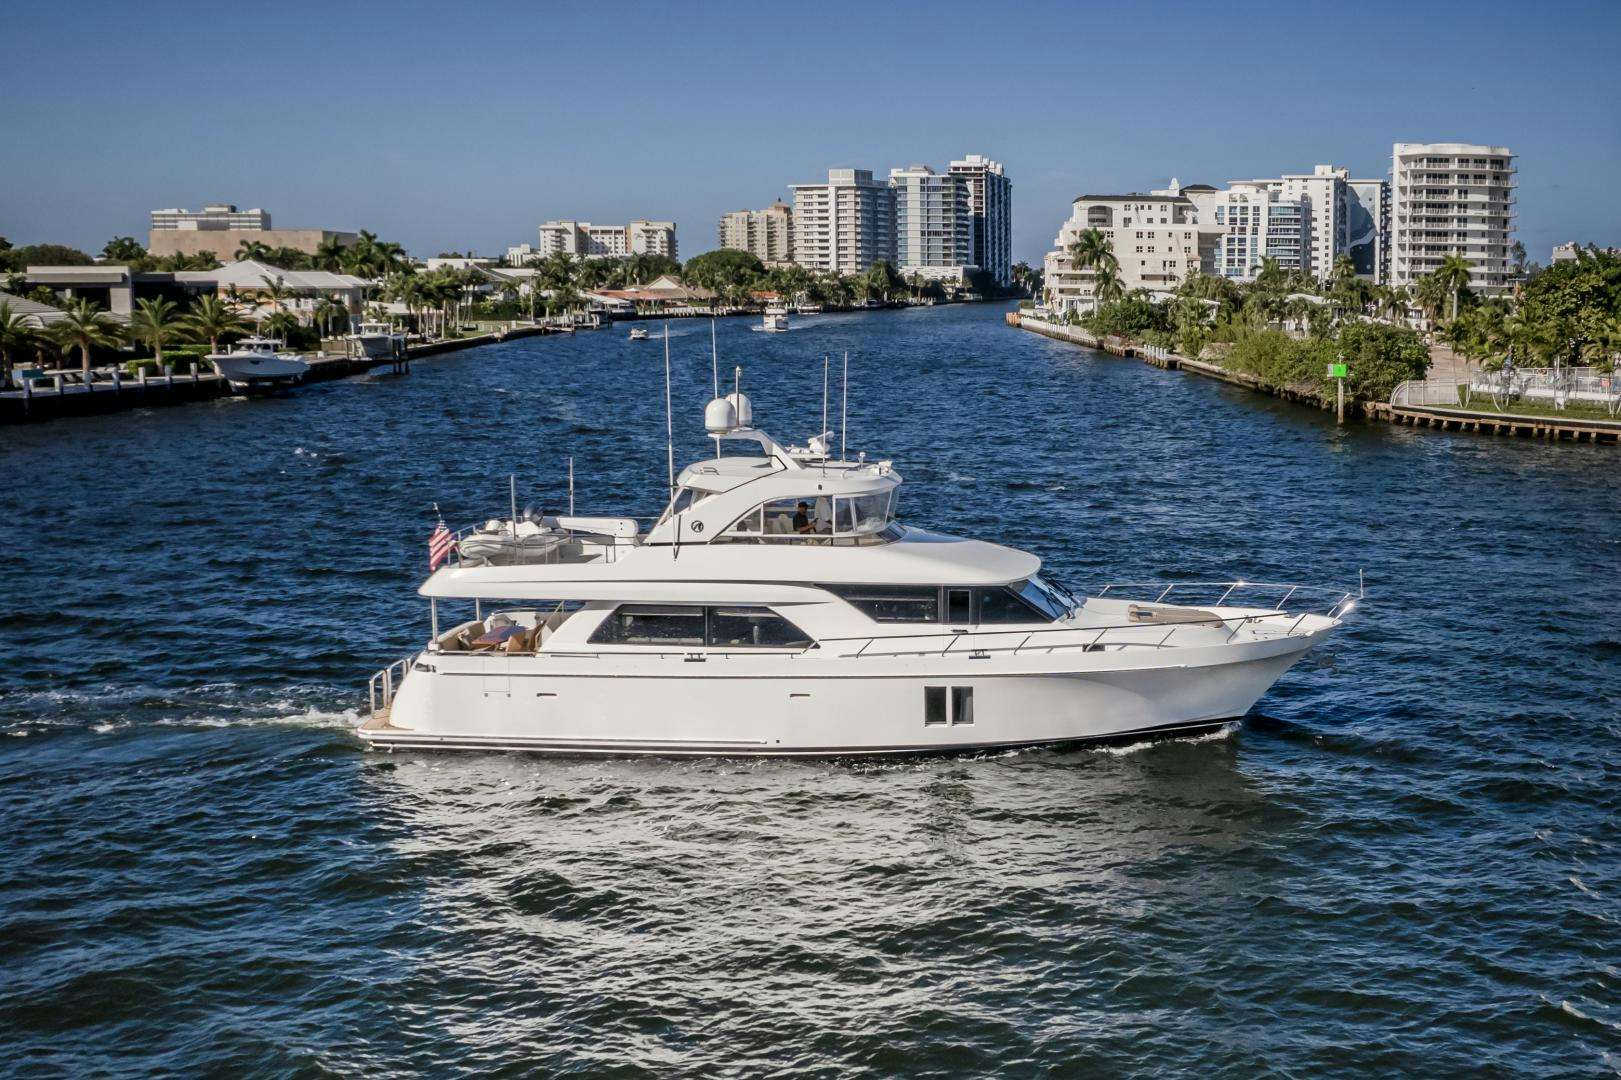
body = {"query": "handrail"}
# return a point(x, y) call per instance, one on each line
point(1093, 636)
point(384, 681)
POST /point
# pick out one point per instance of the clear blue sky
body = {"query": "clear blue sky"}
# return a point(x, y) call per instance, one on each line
point(452, 126)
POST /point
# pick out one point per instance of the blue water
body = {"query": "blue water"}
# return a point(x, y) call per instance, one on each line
point(1404, 862)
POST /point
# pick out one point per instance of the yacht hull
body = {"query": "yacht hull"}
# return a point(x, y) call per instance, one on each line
point(801, 706)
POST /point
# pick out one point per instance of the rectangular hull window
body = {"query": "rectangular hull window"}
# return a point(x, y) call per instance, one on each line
point(962, 705)
point(934, 706)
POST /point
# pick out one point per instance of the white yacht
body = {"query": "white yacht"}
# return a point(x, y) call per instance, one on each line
point(253, 366)
point(378, 340)
point(775, 320)
point(780, 607)
point(809, 308)
point(638, 333)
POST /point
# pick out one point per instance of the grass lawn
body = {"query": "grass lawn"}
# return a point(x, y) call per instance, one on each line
point(1575, 411)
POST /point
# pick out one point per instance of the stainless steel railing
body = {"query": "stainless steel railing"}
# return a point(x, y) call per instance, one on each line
point(1327, 602)
point(382, 685)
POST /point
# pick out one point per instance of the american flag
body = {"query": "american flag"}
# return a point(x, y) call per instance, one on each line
point(439, 545)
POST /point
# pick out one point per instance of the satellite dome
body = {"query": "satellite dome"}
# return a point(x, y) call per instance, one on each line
point(744, 410)
point(720, 416)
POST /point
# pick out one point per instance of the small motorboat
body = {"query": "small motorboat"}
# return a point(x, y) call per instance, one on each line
point(378, 340)
point(775, 320)
point(638, 333)
point(254, 366)
point(809, 309)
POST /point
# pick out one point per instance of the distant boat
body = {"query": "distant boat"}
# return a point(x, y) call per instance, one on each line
point(808, 309)
point(775, 320)
point(254, 366)
point(638, 333)
point(379, 340)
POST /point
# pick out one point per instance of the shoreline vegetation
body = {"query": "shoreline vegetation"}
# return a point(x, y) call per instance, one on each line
point(1283, 330)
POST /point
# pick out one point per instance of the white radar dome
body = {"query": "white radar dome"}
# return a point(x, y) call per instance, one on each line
point(745, 411)
point(720, 416)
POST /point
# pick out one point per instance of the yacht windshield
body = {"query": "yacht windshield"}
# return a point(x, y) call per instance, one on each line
point(1052, 599)
point(818, 517)
point(685, 499)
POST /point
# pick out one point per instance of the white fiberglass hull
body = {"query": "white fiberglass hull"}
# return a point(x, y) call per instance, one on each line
point(381, 346)
point(803, 705)
point(253, 372)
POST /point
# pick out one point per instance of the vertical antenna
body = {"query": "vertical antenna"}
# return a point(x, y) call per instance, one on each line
point(844, 409)
point(714, 370)
point(669, 419)
point(571, 487)
point(822, 433)
point(512, 490)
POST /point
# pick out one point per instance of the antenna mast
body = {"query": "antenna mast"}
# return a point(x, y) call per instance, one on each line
point(571, 487)
point(669, 419)
point(714, 368)
point(844, 408)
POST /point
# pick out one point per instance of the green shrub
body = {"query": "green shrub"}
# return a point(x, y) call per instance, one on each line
point(1278, 360)
point(1379, 358)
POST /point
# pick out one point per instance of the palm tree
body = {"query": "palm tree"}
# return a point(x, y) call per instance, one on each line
point(17, 335)
point(213, 318)
point(1107, 282)
point(156, 322)
point(85, 327)
point(327, 309)
point(1453, 275)
point(328, 254)
point(281, 324)
point(255, 250)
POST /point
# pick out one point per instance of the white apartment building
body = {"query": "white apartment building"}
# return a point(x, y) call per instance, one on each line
point(990, 204)
point(766, 234)
point(1452, 198)
point(1251, 220)
point(1156, 238)
point(933, 221)
point(588, 241)
point(211, 217)
point(844, 225)
point(1338, 216)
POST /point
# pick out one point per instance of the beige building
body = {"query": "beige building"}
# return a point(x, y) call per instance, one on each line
point(1452, 198)
point(1155, 238)
point(219, 229)
point(589, 241)
point(766, 234)
point(846, 224)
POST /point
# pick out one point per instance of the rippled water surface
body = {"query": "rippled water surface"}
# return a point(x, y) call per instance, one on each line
point(1405, 862)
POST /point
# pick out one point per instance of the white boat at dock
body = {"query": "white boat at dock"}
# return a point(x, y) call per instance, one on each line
point(254, 366)
point(378, 340)
point(780, 607)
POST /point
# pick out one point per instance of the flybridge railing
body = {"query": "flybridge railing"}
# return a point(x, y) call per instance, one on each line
point(980, 644)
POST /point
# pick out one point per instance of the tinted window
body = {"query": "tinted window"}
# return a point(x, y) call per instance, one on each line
point(959, 605)
point(1002, 606)
point(739, 627)
point(934, 705)
point(651, 624)
point(1046, 597)
point(892, 603)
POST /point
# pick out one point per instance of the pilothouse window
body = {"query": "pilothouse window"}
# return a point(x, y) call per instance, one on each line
point(819, 519)
point(716, 627)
